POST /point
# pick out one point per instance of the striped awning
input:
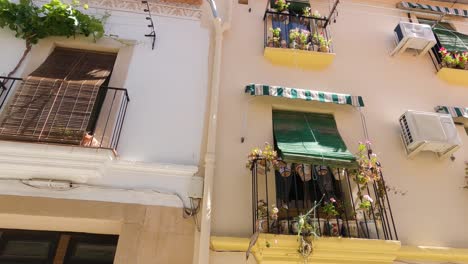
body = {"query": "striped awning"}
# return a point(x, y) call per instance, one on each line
point(304, 94)
point(435, 9)
point(455, 112)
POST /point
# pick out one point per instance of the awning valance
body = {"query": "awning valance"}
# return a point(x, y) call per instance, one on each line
point(310, 138)
point(308, 95)
point(455, 112)
point(434, 9)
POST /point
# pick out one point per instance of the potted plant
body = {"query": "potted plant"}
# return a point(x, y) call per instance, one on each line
point(322, 43)
point(332, 225)
point(306, 11)
point(280, 6)
point(293, 38)
point(274, 41)
point(455, 60)
point(264, 158)
point(303, 38)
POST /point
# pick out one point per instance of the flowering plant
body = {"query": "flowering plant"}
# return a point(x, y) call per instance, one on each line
point(293, 35)
point(275, 32)
point(304, 36)
point(329, 209)
point(266, 156)
point(366, 203)
point(453, 59)
point(276, 38)
point(321, 41)
point(281, 5)
point(306, 11)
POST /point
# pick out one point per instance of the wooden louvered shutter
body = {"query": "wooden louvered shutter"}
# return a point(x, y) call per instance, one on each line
point(55, 102)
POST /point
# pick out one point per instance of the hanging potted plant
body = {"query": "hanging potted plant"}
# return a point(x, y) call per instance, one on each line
point(264, 158)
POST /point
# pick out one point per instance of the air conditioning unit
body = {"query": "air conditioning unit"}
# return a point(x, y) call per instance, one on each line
point(427, 131)
point(413, 36)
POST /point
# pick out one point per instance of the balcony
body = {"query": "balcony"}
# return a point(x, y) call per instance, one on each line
point(448, 70)
point(61, 117)
point(346, 212)
point(295, 38)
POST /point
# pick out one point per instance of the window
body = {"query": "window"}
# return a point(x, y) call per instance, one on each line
point(61, 100)
point(44, 247)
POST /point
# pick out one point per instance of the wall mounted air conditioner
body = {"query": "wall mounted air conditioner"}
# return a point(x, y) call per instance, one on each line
point(427, 131)
point(413, 36)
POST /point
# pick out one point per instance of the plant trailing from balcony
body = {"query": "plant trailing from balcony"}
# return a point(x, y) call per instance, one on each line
point(33, 23)
point(456, 60)
point(275, 40)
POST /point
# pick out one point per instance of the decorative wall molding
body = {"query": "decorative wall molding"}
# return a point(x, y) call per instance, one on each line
point(180, 8)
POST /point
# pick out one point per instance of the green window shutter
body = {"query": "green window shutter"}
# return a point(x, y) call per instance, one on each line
point(310, 138)
point(448, 38)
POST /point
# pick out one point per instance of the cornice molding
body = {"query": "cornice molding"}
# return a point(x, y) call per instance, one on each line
point(183, 8)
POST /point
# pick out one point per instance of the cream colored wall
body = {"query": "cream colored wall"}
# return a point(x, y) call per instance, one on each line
point(147, 234)
point(434, 210)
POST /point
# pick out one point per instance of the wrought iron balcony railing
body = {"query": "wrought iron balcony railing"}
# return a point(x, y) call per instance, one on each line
point(67, 115)
point(279, 197)
point(293, 30)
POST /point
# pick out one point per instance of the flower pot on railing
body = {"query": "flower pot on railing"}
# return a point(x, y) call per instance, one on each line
point(324, 49)
point(332, 227)
point(261, 225)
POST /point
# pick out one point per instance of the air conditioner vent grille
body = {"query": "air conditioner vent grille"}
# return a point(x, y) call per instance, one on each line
point(405, 130)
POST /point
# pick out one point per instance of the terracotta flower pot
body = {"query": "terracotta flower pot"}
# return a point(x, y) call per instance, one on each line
point(324, 49)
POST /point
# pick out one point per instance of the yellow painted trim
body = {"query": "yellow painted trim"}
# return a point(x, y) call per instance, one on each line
point(441, 254)
point(271, 249)
point(304, 59)
point(283, 249)
point(454, 76)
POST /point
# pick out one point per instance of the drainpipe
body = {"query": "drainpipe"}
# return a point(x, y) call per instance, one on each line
point(203, 255)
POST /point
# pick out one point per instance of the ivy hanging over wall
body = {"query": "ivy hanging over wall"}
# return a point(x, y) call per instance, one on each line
point(32, 23)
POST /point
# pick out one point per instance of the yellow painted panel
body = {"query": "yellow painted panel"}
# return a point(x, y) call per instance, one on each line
point(304, 59)
point(454, 76)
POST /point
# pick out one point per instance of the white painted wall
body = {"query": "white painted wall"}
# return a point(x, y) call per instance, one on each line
point(161, 140)
point(434, 211)
point(167, 86)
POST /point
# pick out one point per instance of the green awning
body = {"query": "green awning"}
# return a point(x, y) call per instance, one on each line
point(303, 94)
point(310, 138)
point(434, 9)
point(451, 40)
point(455, 112)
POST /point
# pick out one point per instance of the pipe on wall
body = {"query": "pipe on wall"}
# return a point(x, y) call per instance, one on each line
point(219, 27)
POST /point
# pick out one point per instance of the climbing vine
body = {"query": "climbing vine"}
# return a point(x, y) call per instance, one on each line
point(32, 23)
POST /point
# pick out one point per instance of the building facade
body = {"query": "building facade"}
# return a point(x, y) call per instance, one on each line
point(103, 140)
point(314, 105)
